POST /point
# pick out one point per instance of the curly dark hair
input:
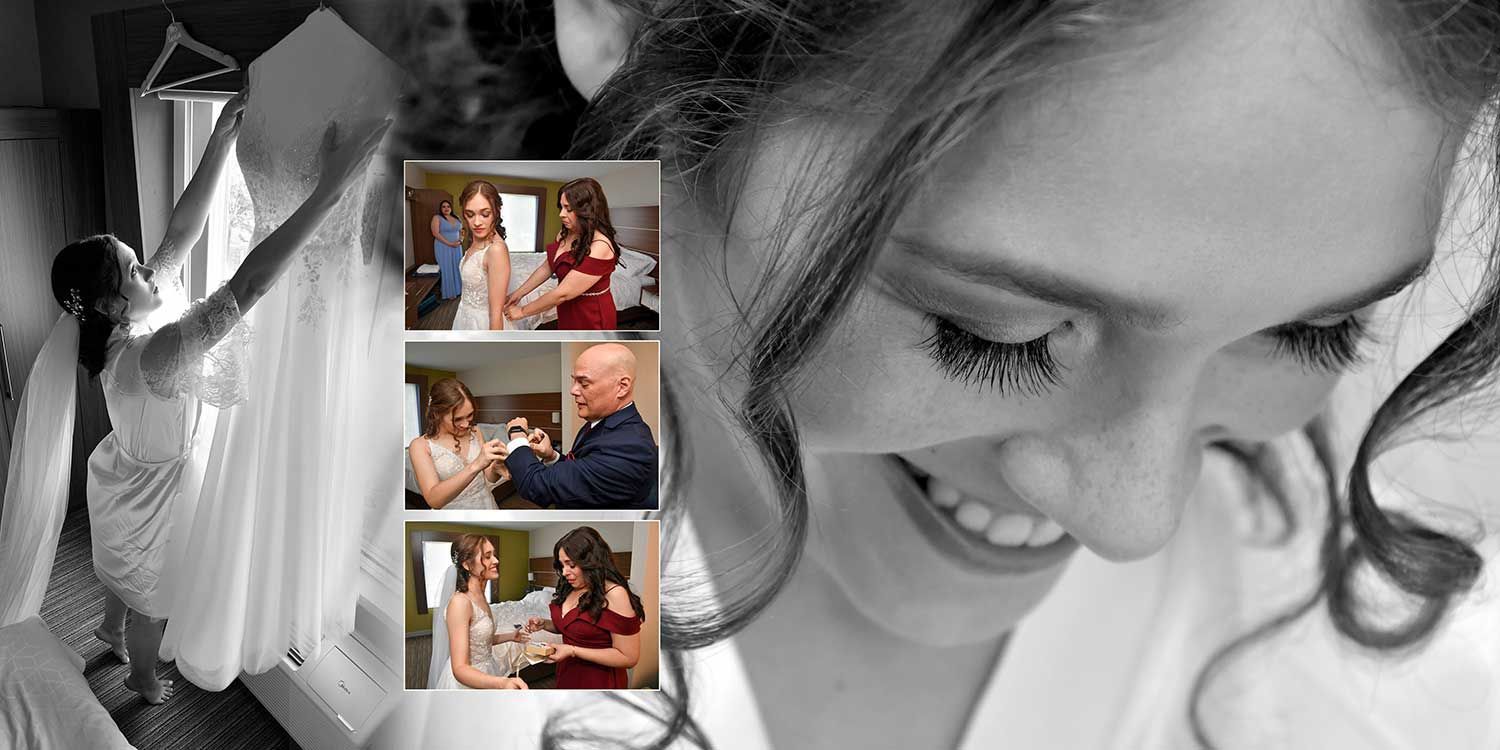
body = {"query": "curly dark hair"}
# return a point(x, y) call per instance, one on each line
point(591, 554)
point(591, 209)
point(85, 278)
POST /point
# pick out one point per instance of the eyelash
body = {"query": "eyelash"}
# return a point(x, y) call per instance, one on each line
point(1325, 349)
point(1028, 367)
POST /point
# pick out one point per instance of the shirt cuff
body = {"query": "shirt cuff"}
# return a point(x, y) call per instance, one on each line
point(517, 443)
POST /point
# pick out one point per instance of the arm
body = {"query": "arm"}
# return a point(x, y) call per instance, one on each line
point(191, 212)
point(572, 285)
point(436, 492)
point(537, 277)
point(624, 650)
point(343, 161)
point(459, 612)
point(610, 475)
point(437, 231)
point(511, 635)
point(541, 623)
point(497, 269)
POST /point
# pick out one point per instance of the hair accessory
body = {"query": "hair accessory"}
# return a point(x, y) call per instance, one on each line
point(74, 304)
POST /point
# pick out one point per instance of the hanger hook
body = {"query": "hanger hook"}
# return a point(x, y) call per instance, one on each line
point(169, 11)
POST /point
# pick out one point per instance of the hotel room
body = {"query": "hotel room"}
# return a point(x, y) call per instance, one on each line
point(523, 588)
point(509, 380)
point(438, 244)
point(84, 152)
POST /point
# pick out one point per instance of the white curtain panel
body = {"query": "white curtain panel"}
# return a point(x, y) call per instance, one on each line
point(273, 557)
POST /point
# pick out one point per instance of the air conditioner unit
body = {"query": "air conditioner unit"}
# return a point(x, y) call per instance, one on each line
point(338, 697)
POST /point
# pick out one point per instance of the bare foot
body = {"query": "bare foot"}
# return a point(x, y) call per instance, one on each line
point(115, 641)
point(157, 691)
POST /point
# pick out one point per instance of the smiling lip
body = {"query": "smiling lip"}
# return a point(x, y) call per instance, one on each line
point(947, 537)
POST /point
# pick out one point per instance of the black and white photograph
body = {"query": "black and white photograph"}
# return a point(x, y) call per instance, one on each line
point(193, 548)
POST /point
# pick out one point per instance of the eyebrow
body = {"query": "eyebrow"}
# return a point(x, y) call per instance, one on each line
point(1049, 287)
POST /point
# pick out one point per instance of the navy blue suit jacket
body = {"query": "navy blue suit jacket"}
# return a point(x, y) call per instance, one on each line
point(612, 467)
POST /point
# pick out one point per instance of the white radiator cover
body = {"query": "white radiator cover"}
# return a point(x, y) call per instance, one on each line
point(354, 678)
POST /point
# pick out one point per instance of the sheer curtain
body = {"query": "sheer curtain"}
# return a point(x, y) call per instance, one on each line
point(273, 557)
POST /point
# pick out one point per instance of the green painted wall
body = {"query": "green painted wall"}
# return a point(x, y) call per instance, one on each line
point(454, 184)
point(514, 549)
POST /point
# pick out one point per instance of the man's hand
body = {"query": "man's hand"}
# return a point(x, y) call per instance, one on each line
point(542, 445)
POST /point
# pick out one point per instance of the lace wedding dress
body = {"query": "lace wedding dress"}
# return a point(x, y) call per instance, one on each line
point(477, 495)
point(474, 303)
point(288, 484)
point(481, 655)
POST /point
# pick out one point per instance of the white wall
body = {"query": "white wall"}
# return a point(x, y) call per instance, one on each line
point(538, 374)
point(619, 535)
point(633, 185)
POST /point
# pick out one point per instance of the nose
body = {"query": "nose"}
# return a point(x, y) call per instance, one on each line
point(1118, 474)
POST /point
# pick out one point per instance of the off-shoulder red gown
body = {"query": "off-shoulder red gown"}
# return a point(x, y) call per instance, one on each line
point(594, 310)
point(579, 629)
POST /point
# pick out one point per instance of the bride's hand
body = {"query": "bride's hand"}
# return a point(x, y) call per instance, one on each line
point(345, 156)
point(490, 451)
point(227, 128)
point(522, 636)
point(517, 683)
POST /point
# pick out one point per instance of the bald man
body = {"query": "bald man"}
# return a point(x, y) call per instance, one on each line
point(613, 462)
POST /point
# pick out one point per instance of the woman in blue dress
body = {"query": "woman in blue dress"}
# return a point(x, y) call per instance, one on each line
point(448, 249)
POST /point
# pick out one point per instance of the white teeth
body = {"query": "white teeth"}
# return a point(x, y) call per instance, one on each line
point(942, 494)
point(1046, 532)
point(973, 516)
point(1009, 530)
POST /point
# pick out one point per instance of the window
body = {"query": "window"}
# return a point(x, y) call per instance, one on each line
point(520, 212)
point(231, 217)
point(413, 412)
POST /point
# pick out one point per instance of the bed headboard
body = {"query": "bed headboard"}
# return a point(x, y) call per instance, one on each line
point(544, 575)
point(639, 228)
point(537, 408)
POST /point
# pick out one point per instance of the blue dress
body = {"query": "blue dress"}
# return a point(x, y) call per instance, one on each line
point(448, 258)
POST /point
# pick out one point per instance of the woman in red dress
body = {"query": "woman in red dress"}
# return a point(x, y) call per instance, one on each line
point(596, 613)
point(583, 258)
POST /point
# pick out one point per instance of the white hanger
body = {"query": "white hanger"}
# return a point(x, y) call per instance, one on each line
point(177, 36)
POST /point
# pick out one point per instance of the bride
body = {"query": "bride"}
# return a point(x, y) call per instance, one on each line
point(471, 627)
point(485, 267)
point(455, 467)
point(155, 372)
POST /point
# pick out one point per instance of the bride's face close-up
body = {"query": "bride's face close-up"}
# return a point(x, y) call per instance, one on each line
point(138, 292)
point(1171, 246)
point(480, 215)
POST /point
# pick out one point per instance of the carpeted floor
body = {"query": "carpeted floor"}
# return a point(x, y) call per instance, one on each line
point(192, 718)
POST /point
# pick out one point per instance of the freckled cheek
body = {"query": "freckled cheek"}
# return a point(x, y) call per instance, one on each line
point(870, 388)
point(1264, 407)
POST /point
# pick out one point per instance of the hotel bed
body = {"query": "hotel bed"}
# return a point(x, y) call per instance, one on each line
point(45, 702)
point(627, 284)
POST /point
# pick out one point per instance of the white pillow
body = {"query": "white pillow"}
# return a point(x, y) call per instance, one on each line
point(636, 263)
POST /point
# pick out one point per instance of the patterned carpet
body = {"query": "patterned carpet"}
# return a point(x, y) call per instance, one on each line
point(192, 718)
